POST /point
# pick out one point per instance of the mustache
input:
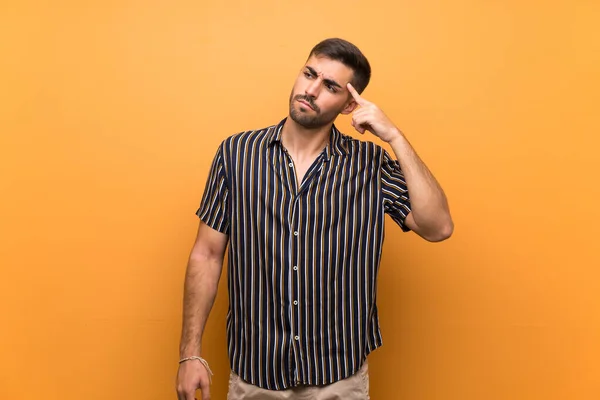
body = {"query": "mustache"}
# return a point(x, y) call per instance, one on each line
point(307, 99)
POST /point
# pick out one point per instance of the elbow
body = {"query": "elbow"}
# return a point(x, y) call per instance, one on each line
point(442, 233)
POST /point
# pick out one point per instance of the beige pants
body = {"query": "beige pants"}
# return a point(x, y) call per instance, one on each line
point(355, 387)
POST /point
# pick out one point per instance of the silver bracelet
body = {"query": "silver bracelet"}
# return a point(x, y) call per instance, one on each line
point(203, 361)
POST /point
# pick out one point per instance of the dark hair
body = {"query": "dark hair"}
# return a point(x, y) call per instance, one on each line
point(348, 54)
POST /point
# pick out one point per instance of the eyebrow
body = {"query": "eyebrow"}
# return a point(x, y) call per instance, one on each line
point(328, 81)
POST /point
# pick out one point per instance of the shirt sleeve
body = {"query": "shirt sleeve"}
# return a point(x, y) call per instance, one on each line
point(214, 207)
point(396, 201)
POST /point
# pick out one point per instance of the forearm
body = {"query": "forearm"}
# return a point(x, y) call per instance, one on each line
point(429, 206)
point(200, 290)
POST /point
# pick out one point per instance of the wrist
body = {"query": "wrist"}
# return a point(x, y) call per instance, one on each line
point(189, 351)
point(202, 361)
point(190, 358)
point(396, 136)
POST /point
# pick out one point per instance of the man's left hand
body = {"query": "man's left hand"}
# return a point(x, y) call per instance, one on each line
point(370, 118)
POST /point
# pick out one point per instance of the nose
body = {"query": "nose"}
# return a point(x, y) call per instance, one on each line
point(313, 88)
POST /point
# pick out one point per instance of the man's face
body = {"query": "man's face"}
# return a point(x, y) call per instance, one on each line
point(320, 93)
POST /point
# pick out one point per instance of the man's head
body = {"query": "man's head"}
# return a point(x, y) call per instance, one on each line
point(320, 93)
point(349, 55)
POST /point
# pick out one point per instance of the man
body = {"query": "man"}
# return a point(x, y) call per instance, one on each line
point(302, 207)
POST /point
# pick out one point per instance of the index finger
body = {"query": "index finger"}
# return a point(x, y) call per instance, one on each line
point(355, 95)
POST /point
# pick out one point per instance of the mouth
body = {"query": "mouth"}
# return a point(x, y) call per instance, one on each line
point(304, 103)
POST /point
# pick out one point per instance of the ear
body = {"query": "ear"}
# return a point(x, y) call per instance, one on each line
point(350, 107)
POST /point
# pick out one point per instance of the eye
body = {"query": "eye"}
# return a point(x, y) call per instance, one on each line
point(331, 88)
point(308, 74)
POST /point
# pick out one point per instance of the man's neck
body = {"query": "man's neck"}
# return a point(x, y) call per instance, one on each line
point(304, 143)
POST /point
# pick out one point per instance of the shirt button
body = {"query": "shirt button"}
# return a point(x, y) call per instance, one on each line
point(291, 165)
point(295, 233)
point(297, 337)
point(295, 268)
point(295, 302)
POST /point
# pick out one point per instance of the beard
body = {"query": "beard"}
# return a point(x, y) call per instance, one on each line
point(307, 118)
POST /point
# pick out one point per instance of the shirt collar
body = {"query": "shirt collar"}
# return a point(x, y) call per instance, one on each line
point(337, 143)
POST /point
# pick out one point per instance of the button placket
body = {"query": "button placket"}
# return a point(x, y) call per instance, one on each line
point(294, 280)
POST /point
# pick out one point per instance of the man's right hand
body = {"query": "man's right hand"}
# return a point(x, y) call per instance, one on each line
point(192, 375)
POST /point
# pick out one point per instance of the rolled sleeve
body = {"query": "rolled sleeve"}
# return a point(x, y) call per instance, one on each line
point(214, 207)
point(396, 200)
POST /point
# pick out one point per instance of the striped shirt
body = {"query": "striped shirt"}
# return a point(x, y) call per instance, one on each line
point(303, 259)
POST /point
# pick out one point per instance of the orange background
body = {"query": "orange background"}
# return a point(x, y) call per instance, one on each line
point(110, 113)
